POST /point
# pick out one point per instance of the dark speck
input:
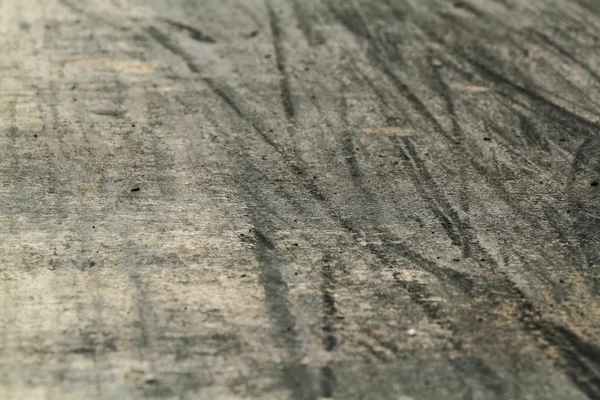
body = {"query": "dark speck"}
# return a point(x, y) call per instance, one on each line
point(243, 275)
point(595, 183)
point(487, 139)
point(35, 135)
point(267, 56)
point(135, 189)
point(253, 34)
point(456, 259)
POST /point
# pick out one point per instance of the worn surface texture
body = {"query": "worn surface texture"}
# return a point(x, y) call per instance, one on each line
point(299, 199)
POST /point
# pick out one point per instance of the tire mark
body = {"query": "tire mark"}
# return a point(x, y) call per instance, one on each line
point(454, 278)
point(224, 92)
point(327, 382)
point(166, 42)
point(356, 24)
point(280, 60)
point(444, 89)
point(509, 290)
point(306, 21)
point(590, 6)
point(241, 4)
point(296, 375)
point(585, 164)
point(567, 55)
point(328, 284)
point(568, 119)
point(445, 275)
point(579, 359)
point(278, 304)
point(455, 228)
point(463, 5)
point(349, 150)
point(194, 33)
point(227, 95)
point(532, 135)
point(91, 15)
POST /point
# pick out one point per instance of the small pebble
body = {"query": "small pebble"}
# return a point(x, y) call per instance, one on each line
point(412, 332)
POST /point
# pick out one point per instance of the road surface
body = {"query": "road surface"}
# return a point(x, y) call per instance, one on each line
point(299, 199)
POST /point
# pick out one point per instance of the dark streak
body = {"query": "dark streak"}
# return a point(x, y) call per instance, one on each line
point(329, 309)
point(355, 24)
point(93, 16)
point(306, 21)
point(329, 339)
point(563, 113)
point(280, 59)
point(569, 56)
point(277, 302)
point(327, 382)
point(425, 183)
point(109, 113)
point(463, 5)
point(579, 359)
point(168, 44)
point(193, 32)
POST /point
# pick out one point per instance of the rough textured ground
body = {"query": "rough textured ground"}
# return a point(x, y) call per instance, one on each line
point(299, 199)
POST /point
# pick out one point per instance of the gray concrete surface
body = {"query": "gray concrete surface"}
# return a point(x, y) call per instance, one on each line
point(299, 199)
